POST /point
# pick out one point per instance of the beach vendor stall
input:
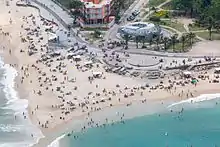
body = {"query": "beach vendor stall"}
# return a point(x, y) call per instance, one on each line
point(70, 55)
point(88, 64)
point(97, 74)
point(77, 58)
point(48, 28)
point(187, 74)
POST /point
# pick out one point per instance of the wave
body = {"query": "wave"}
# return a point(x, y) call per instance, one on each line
point(17, 105)
point(10, 128)
point(201, 98)
point(56, 143)
point(8, 81)
point(15, 144)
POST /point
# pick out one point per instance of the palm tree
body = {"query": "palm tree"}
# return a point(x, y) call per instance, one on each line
point(143, 39)
point(191, 36)
point(137, 39)
point(165, 41)
point(174, 40)
point(127, 38)
point(210, 26)
point(157, 41)
point(183, 40)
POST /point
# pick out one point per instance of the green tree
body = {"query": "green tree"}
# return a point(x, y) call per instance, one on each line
point(118, 5)
point(143, 39)
point(196, 8)
point(157, 41)
point(137, 40)
point(97, 33)
point(185, 5)
point(191, 36)
point(76, 6)
point(165, 41)
point(173, 41)
point(183, 40)
point(127, 37)
point(210, 26)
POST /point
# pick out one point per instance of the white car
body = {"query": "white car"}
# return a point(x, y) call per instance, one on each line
point(136, 12)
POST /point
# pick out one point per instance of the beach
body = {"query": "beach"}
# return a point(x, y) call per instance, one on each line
point(62, 87)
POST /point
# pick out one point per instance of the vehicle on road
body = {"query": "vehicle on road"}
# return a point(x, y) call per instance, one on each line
point(130, 18)
point(136, 13)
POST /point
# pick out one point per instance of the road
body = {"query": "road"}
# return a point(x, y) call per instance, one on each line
point(137, 5)
point(92, 48)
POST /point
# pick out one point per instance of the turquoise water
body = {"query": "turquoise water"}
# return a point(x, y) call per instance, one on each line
point(195, 127)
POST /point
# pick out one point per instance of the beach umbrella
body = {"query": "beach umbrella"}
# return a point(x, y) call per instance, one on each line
point(194, 81)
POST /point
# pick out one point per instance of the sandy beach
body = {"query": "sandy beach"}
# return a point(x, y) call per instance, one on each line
point(60, 87)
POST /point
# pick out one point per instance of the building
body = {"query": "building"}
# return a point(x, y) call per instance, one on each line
point(97, 13)
point(144, 29)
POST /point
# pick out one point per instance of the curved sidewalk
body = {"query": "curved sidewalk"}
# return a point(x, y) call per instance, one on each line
point(162, 54)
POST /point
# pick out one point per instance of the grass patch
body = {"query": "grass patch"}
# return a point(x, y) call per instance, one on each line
point(179, 47)
point(205, 35)
point(154, 3)
point(196, 28)
point(168, 22)
point(176, 25)
point(93, 38)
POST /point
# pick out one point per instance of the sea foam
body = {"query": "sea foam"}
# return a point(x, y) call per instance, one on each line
point(18, 106)
point(56, 142)
point(201, 98)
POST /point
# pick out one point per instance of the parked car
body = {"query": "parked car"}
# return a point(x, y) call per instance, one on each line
point(130, 18)
point(136, 12)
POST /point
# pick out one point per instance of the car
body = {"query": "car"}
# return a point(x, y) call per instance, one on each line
point(136, 12)
point(118, 21)
point(130, 18)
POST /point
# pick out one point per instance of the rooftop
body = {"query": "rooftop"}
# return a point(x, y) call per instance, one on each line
point(93, 5)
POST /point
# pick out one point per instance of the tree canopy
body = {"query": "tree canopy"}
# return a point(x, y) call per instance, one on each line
point(76, 4)
point(202, 9)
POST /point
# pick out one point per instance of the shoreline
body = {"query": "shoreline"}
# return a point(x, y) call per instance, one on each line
point(21, 92)
point(70, 127)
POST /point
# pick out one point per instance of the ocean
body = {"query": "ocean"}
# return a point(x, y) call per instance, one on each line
point(15, 131)
point(197, 126)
